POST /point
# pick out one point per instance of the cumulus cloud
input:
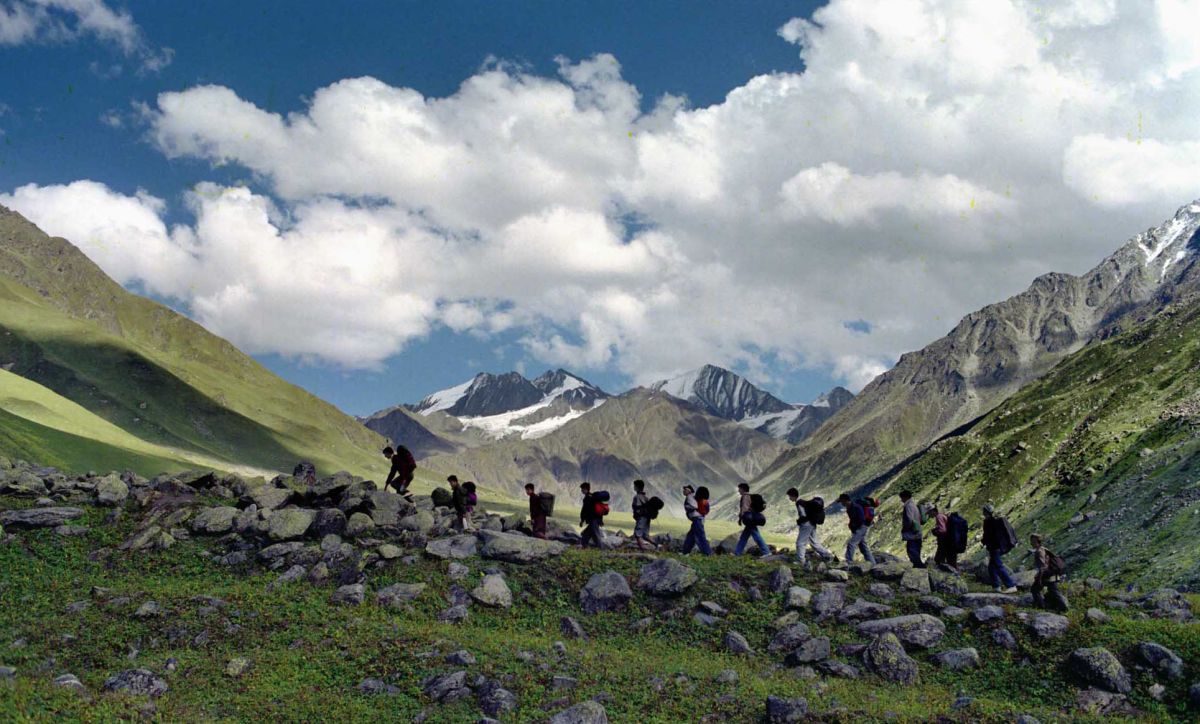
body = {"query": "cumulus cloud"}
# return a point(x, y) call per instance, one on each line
point(932, 156)
point(32, 21)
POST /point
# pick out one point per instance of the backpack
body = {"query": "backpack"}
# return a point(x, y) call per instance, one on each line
point(756, 518)
point(547, 503)
point(758, 503)
point(410, 463)
point(956, 526)
point(1056, 566)
point(702, 506)
point(600, 496)
point(601, 509)
point(814, 510)
point(868, 505)
point(1008, 539)
point(653, 506)
point(472, 499)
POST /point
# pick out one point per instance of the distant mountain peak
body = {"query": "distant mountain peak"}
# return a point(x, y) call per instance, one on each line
point(722, 393)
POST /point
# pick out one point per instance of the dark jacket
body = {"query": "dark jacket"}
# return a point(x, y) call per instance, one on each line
point(588, 510)
point(403, 466)
point(458, 499)
point(535, 506)
point(995, 535)
point(857, 516)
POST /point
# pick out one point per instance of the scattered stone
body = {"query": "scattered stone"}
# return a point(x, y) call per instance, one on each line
point(797, 599)
point(461, 657)
point(1194, 695)
point(920, 629)
point(829, 601)
point(881, 590)
point(457, 571)
point(136, 682)
point(493, 592)
point(608, 591)
point(933, 604)
point(38, 517)
point(837, 575)
point(445, 688)
point(359, 524)
point(389, 552)
point(1159, 659)
point(236, 667)
point(786, 711)
point(1048, 625)
point(560, 683)
point(279, 550)
point(705, 619)
point(1097, 666)
point(946, 582)
point(517, 548)
point(789, 639)
point(666, 577)
point(885, 656)
point(111, 491)
point(72, 682)
point(863, 609)
point(736, 643)
point(957, 659)
point(149, 609)
point(289, 523)
point(728, 676)
point(954, 613)
point(494, 699)
point(889, 570)
point(839, 669)
point(455, 548)
point(349, 595)
point(1003, 638)
point(7, 672)
point(984, 614)
point(571, 628)
point(979, 600)
point(1099, 702)
point(1096, 615)
point(398, 595)
point(917, 580)
point(329, 521)
point(376, 687)
point(588, 712)
point(781, 579)
point(811, 651)
point(454, 614)
point(67, 531)
point(214, 521)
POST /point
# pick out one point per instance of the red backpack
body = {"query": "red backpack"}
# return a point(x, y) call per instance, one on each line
point(702, 507)
point(868, 505)
point(601, 509)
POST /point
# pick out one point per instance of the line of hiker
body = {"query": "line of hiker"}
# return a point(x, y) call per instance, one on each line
point(950, 530)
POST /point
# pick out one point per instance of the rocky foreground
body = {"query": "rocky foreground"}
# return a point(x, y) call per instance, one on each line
point(199, 595)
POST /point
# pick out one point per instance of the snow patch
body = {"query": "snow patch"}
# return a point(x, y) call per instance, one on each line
point(444, 399)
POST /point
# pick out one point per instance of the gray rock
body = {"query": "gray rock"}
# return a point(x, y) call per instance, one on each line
point(571, 628)
point(7, 672)
point(268, 497)
point(214, 521)
point(349, 595)
point(136, 682)
point(946, 582)
point(38, 517)
point(727, 676)
point(797, 599)
point(736, 643)
point(917, 580)
point(72, 682)
point(786, 711)
point(516, 548)
point(1159, 659)
point(493, 592)
point(789, 639)
point(984, 614)
point(811, 651)
point(419, 522)
point(455, 548)
point(376, 687)
point(705, 619)
point(149, 609)
point(886, 658)
point(462, 657)
point(1098, 667)
point(666, 577)
point(919, 629)
point(1096, 615)
point(954, 613)
point(560, 683)
point(837, 575)
point(889, 570)
point(111, 491)
point(881, 590)
point(607, 591)
point(237, 667)
point(588, 712)
point(398, 595)
point(782, 579)
point(1194, 695)
point(494, 699)
point(329, 521)
point(279, 550)
point(390, 552)
point(862, 610)
point(829, 600)
point(1003, 638)
point(359, 524)
point(933, 604)
point(291, 575)
point(1048, 625)
point(957, 659)
point(840, 669)
point(979, 600)
point(454, 614)
point(289, 523)
point(445, 688)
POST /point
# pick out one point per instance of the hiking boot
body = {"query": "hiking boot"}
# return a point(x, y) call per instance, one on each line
point(1010, 589)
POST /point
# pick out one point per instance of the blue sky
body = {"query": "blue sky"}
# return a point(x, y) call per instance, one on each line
point(380, 199)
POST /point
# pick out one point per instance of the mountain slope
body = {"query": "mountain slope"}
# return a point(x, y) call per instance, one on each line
point(988, 356)
point(154, 373)
point(1101, 454)
point(399, 425)
point(639, 434)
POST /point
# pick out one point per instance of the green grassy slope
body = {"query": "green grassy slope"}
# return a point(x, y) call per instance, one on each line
point(308, 656)
point(1102, 454)
point(153, 372)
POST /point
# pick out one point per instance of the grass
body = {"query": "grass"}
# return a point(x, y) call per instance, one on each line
point(308, 656)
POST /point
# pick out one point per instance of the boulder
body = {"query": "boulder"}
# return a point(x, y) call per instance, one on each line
point(946, 582)
point(797, 598)
point(349, 595)
point(445, 688)
point(38, 517)
point(386, 508)
point(269, 497)
point(136, 682)
point(359, 524)
point(588, 712)
point(979, 600)
point(984, 614)
point(919, 629)
point(1048, 625)
point(494, 699)
point(789, 638)
point(571, 628)
point(289, 523)
point(454, 614)
point(111, 491)
point(517, 548)
point(1003, 638)
point(1098, 667)
point(786, 711)
point(214, 521)
point(374, 687)
point(735, 643)
point(398, 595)
point(608, 591)
point(811, 651)
point(829, 600)
point(837, 575)
point(916, 579)
point(886, 658)
point(782, 579)
point(329, 521)
point(419, 522)
point(493, 592)
point(957, 659)
point(441, 498)
point(455, 548)
point(666, 577)
point(1159, 659)
point(889, 570)
point(862, 610)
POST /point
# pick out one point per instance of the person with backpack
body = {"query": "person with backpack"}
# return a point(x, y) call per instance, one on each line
point(1050, 570)
point(641, 515)
point(809, 514)
point(944, 556)
point(590, 516)
point(471, 500)
point(458, 501)
point(911, 521)
point(404, 466)
point(695, 507)
point(751, 518)
point(859, 517)
point(537, 512)
point(998, 538)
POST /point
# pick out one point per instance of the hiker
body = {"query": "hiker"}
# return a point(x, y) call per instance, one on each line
point(809, 514)
point(944, 556)
point(695, 507)
point(471, 500)
point(998, 538)
point(537, 512)
point(857, 517)
point(403, 468)
point(910, 528)
point(588, 519)
point(641, 515)
point(1050, 570)
point(458, 501)
point(750, 518)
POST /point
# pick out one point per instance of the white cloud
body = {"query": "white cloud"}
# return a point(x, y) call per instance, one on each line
point(32, 21)
point(932, 157)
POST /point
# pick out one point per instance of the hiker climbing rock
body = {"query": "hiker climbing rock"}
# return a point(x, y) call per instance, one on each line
point(403, 468)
